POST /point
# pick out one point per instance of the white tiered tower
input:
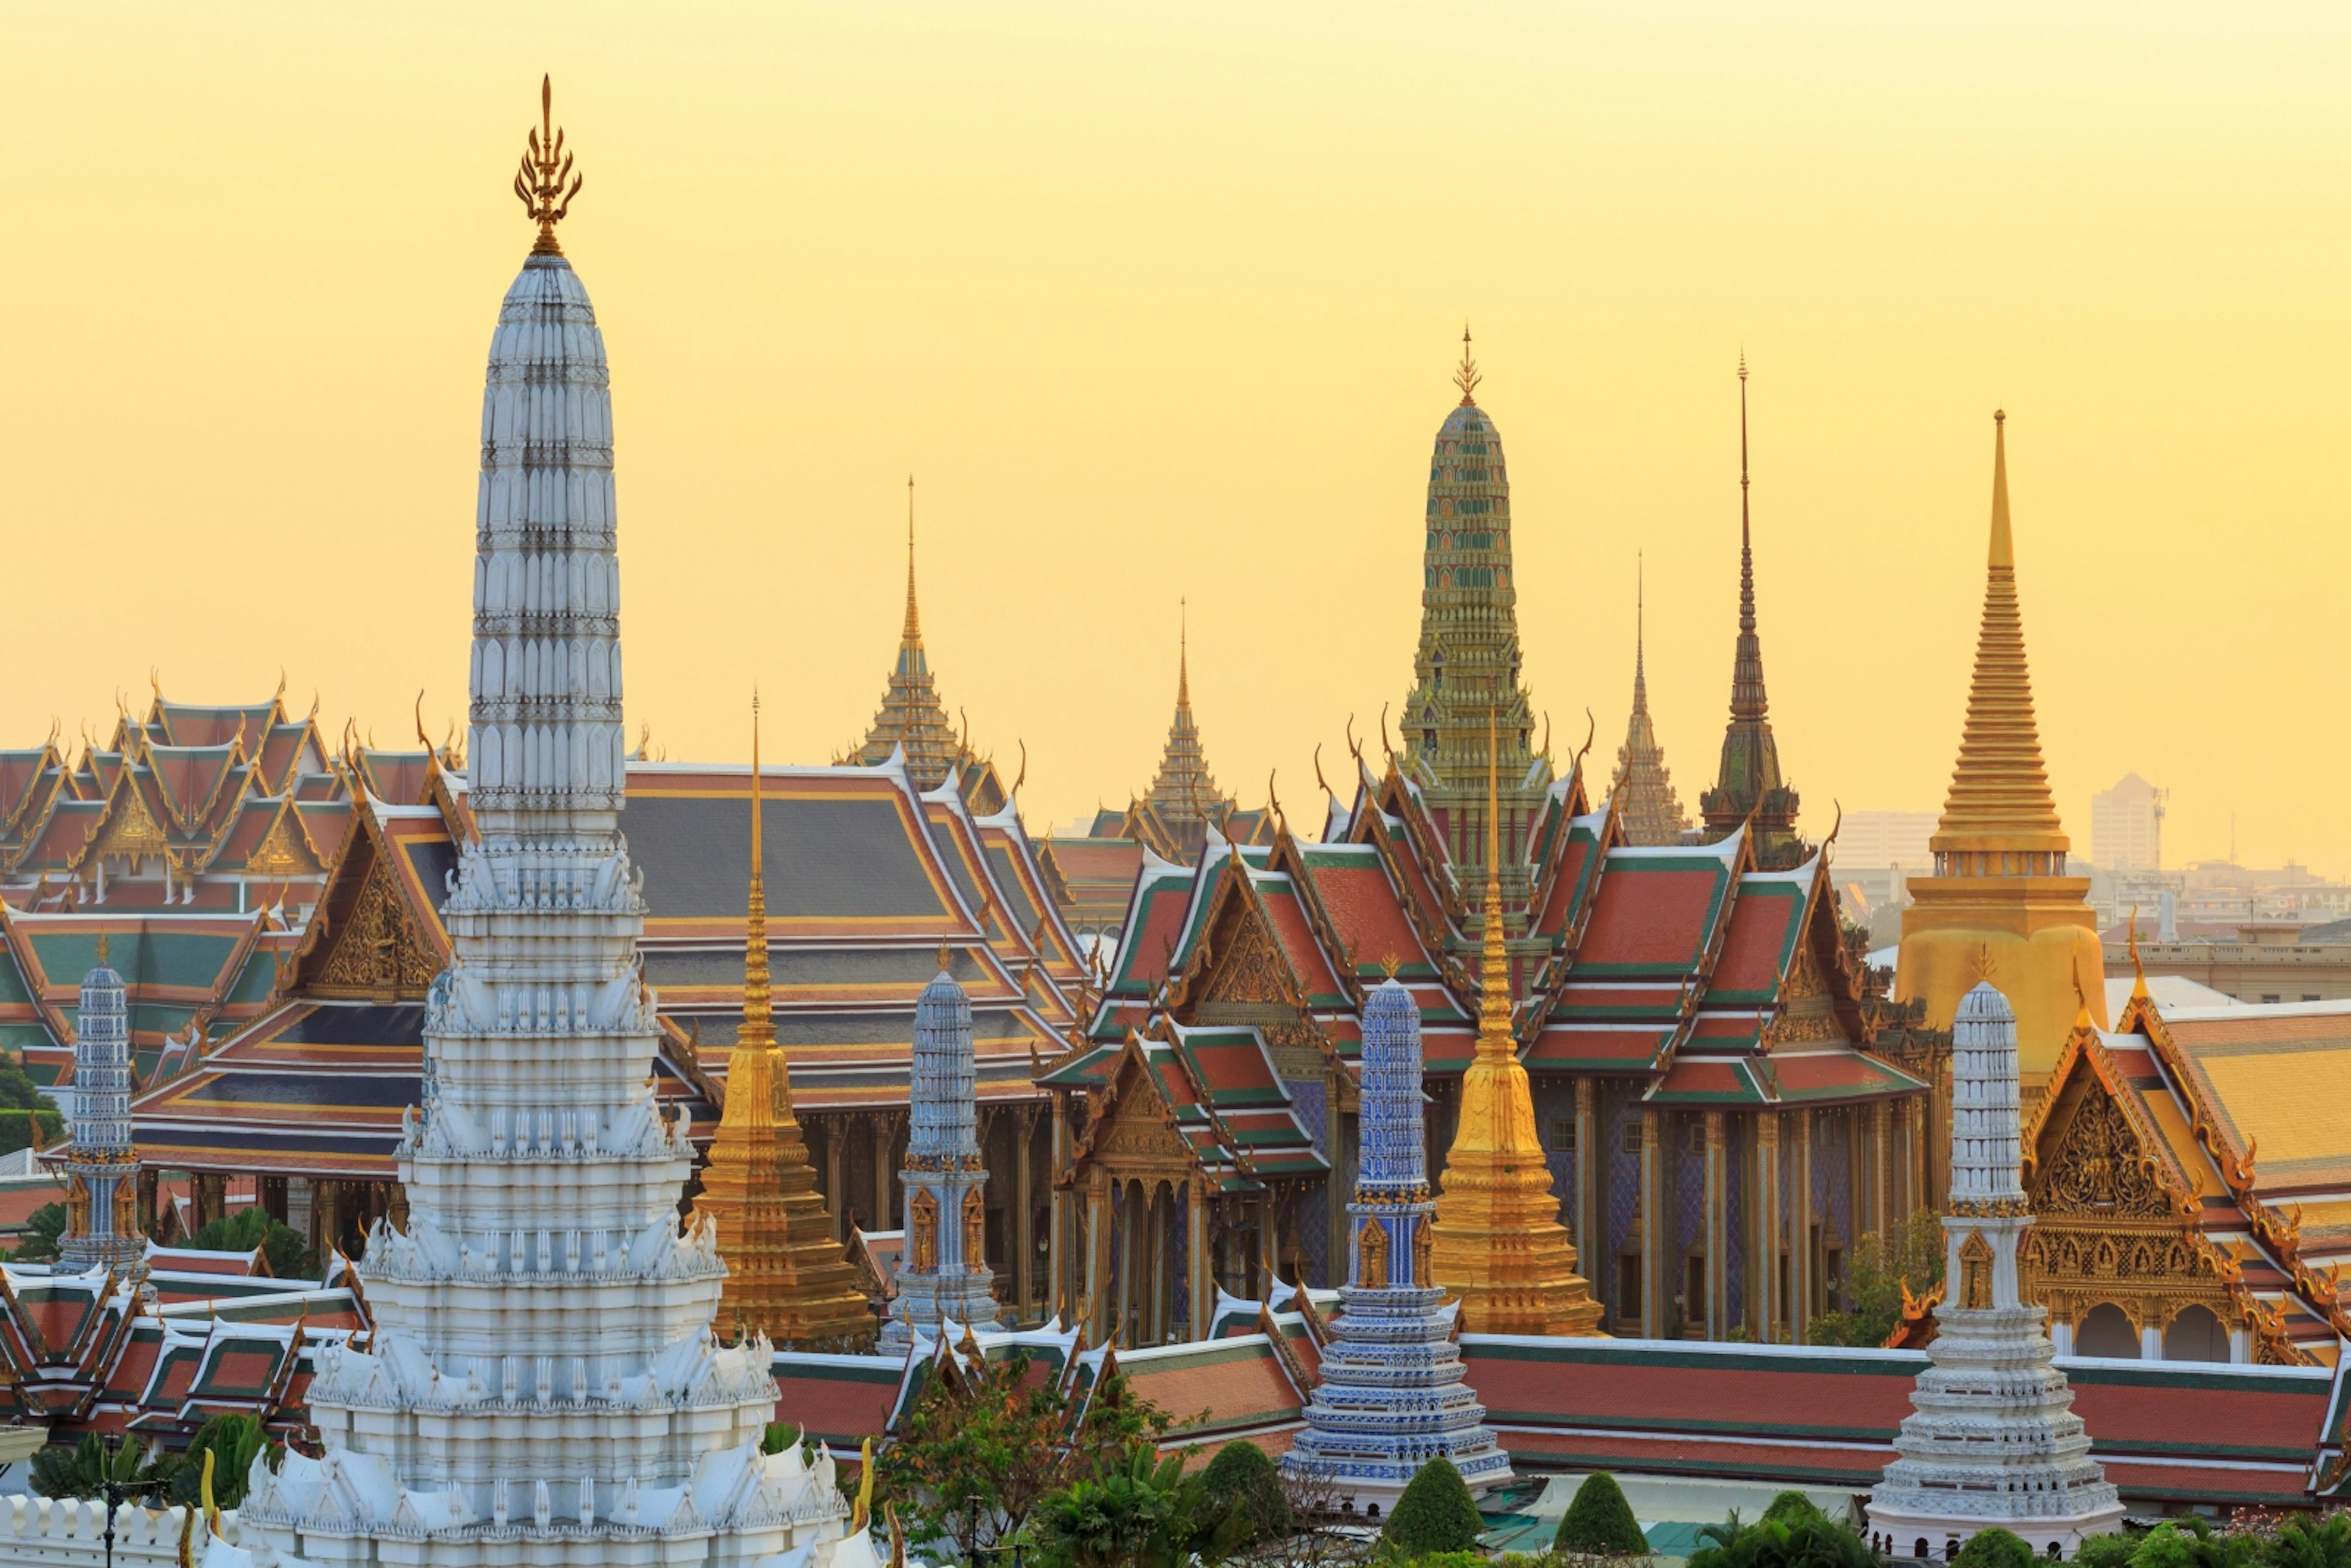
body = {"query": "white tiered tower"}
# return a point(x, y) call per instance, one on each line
point(100, 1164)
point(543, 1385)
point(1993, 1438)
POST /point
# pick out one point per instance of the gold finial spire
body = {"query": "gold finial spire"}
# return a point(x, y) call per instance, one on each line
point(914, 628)
point(1466, 378)
point(758, 1031)
point(101, 950)
point(2000, 818)
point(544, 184)
point(1494, 969)
point(1183, 652)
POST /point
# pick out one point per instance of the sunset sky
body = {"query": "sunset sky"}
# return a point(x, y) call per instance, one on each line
point(1162, 302)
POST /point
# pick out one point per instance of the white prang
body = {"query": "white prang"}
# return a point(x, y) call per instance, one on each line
point(543, 1385)
point(1993, 1438)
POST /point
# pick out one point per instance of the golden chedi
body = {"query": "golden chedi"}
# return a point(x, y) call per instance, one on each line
point(1496, 1242)
point(786, 1276)
point(2000, 902)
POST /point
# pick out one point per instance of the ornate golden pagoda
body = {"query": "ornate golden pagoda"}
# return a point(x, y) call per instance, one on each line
point(1497, 1241)
point(2000, 895)
point(786, 1276)
point(911, 716)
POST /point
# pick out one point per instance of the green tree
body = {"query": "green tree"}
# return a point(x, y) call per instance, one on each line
point(1798, 1540)
point(2189, 1543)
point(1599, 1522)
point(282, 1247)
point(1244, 1499)
point(82, 1471)
point(1995, 1548)
point(982, 1446)
point(1877, 1272)
point(42, 1230)
point(232, 1440)
point(1435, 1513)
point(1790, 1506)
point(2105, 1551)
point(2310, 1543)
point(22, 1104)
point(1144, 1514)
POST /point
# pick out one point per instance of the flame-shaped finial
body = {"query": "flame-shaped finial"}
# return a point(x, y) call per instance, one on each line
point(1466, 378)
point(544, 184)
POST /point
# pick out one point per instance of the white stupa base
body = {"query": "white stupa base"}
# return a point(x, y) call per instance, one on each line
point(1907, 1528)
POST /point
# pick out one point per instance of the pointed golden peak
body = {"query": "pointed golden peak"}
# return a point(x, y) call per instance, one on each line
point(544, 184)
point(911, 633)
point(2000, 818)
point(1467, 377)
point(1183, 655)
point(2003, 545)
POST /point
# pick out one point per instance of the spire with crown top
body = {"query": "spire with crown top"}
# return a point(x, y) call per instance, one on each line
point(1497, 1241)
point(1748, 786)
point(912, 717)
point(1643, 784)
point(786, 1276)
point(1184, 793)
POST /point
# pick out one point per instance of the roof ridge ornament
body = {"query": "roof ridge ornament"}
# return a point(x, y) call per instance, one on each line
point(544, 184)
point(1467, 376)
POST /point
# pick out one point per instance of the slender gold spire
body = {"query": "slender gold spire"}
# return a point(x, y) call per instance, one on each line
point(912, 631)
point(2000, 816)
point(1466, 378)
point(786, 1277)
point(1497, 1241)
point(545, 183)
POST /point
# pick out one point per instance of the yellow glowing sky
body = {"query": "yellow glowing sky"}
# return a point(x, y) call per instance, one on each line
point(1161, 301)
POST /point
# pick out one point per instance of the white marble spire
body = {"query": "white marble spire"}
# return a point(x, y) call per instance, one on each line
point(543, 1385)
point(1993, 1438)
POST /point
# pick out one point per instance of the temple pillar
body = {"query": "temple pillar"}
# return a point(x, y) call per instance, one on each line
point(2150, 1342)
point(1591, 1176)
point(1061, 1219)
point(1765, 1307)
point(1024, 1213)
point(885, 1216)
point(836, 1193)
point(1095, 1303)
point(209, 1191)
point(1197, 1259)
point(1800, 1229)
point(1269, 1247)
point(1162, 1289)
point(1656, 1224)
point(1717, 1229)
point(329, 1208)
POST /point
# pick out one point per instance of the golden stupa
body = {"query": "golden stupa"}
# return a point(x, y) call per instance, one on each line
point(1496, 1242)
point(2000, 902)
point(786, 1276)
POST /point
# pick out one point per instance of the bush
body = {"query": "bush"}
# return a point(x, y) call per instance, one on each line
point(232, 1441)
point(2106, 1552)
point(290, 1256)
point(1435, 1513)
point(1790, 1507)
point(42, 1230)
point(1245, 1500)
point(1600, 1522)
point(1995, 1548)
point(2307, 1544)
point(1805, 1540)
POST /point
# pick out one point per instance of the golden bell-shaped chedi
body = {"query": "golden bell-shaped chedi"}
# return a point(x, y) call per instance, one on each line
point(2000, 902)
point(786, 1276)
point(1496, 1242)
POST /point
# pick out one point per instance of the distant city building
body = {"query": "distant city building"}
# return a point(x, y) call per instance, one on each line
point(1885, 839)
point(2127, 826)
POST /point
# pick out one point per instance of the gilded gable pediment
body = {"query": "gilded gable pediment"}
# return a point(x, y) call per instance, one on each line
point(378, 951)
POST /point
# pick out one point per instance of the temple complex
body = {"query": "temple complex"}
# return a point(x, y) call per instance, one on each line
point(1495, 1240)
point(542, 1347)
point(1466, 669)
point(1643, 785)
point(2000, 893)
point(100, 1164)
point(1748, 788)
point(1391, 1391)
point(1993, 1440)
point(943, 1276)
point(788, 1277)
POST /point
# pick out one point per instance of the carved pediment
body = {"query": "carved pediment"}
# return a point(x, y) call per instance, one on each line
point(1249, 968)
point(283, 851)
point(377, 952)
point(2100, 1170)
point(131, 829)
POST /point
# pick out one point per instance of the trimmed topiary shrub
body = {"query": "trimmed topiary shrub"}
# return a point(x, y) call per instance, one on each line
point(1435, 1513)
point(2106, 1552)
point(1243, 1489)
point(1995, 1548)
point(1600, 1522)
point(1790, 1507)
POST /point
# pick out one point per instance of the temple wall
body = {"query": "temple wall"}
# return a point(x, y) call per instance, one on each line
point(65, 1532)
